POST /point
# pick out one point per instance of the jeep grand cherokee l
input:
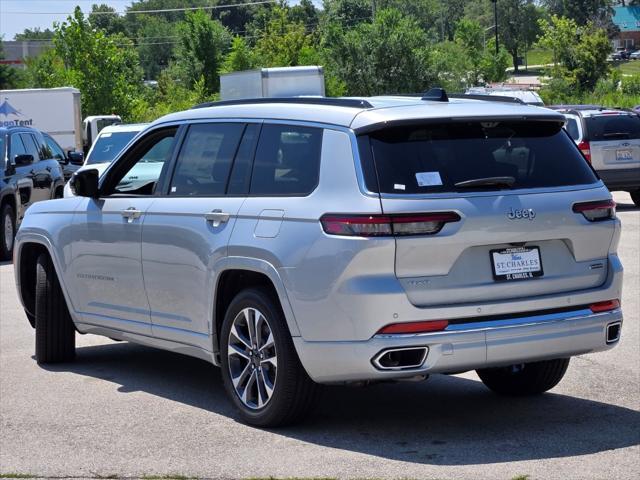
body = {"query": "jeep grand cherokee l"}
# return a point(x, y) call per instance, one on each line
point(297, 242)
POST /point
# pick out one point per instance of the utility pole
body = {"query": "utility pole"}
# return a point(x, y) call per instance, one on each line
point(495, 21)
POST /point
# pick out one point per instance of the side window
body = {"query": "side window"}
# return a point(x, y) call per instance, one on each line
point(205, 159)
point(31, 146)
point(16, 147)
point(572, 128)
point(287, 160)
point(56, 151)
point(143, 164)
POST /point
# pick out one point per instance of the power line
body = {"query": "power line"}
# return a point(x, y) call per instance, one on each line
point(163, 10)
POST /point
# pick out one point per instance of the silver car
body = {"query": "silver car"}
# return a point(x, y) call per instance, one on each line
point(298, 242)
point(610, 141)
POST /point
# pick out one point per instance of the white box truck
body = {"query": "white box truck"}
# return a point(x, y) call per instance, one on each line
point(272, 82)
point(56, 111)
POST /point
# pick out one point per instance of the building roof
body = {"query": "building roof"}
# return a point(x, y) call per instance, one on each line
point(627, 19)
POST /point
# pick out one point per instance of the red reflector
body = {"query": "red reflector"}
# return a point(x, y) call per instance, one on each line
point(415, 327)
point(604, 306)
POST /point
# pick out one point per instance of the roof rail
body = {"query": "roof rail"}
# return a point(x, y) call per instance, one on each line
point(488, 98)
point(331, 101)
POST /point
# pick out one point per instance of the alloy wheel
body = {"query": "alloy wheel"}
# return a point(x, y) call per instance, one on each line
point(252, 358)
point(8, 232)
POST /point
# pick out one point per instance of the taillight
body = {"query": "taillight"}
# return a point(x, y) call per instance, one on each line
point(585, 148)
point(596, 211)
point(415, 327)
point(387, 225)
point(604, 306)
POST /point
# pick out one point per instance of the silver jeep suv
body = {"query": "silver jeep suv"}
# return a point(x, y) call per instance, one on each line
point(297, 242)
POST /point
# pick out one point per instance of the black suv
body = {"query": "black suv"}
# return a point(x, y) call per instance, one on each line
point(30, 173)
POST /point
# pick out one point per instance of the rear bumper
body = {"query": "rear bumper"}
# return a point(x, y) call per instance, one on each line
point(621, 179)
point(464, 347)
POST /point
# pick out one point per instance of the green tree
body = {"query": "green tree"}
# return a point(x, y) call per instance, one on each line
point(9, 77)
point(202, 45)
point(347, 13)
point(283, 42)
point(35, 34)
point(104, 17)
point(306, 13)
point(239, 57)
point(579, 52)
point(469, 35)
point(390, 55)
point(156, 44)
point(104, 68)
point(597, 12)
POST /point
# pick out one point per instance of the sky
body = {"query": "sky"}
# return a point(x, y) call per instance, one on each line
point(35, 13)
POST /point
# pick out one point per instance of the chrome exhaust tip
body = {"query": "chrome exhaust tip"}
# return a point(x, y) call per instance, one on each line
point(613, 332)
point(400, 358)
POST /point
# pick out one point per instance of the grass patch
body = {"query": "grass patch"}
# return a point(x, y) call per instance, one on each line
point(538, 56)
point(630, 67)
point(521, 477)
point(16, 475)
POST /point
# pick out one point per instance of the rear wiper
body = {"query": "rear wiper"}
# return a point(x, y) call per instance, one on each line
point(616, 134)
point(487, 182)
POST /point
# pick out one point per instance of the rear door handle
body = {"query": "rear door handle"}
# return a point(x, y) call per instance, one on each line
point(216, 217)
point(131, 214)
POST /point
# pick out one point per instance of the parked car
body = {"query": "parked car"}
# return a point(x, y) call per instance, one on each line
point(528, 97)
point(29, 174)
point(610, 141)
point(70, 161)
point(304, 241)
point(108, 145)
point(634, 55)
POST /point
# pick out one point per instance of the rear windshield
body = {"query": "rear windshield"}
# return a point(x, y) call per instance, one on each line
point(434, 158)
point(613, 127)
point(107, 146)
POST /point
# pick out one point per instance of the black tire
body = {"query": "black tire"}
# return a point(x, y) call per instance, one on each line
point(525, 379)
point(635, 196)
point(6, 245)
point(294, 393)
point(55, 332)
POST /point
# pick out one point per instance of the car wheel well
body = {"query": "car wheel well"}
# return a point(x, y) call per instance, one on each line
point(29, 254)
point(231, 283)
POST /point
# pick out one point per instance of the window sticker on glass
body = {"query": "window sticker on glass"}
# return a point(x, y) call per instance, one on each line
point(399, 186)
point(106, 134)
point(428, 179)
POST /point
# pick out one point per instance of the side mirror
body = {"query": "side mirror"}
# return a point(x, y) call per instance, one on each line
point(84, 183)
point(23, 159)
point(76, 158)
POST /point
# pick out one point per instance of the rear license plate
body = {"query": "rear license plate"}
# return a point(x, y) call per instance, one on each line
point(518, 263)
point(624, 155)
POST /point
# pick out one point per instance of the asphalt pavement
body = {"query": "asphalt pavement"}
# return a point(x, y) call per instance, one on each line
point(123, 410)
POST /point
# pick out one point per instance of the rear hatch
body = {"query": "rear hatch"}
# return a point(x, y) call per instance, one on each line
point(507, 189)
point(614, 139)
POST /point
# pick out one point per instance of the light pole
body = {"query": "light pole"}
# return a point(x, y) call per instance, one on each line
point(495, 22)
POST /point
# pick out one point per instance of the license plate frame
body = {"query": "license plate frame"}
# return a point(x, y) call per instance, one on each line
point(509, 273)
point(624, 155)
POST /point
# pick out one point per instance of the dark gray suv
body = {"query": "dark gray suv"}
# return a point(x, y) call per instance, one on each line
point(29, 174)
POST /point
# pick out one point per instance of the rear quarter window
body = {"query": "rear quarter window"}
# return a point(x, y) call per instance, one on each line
point(287, 160)
point(421, 159)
